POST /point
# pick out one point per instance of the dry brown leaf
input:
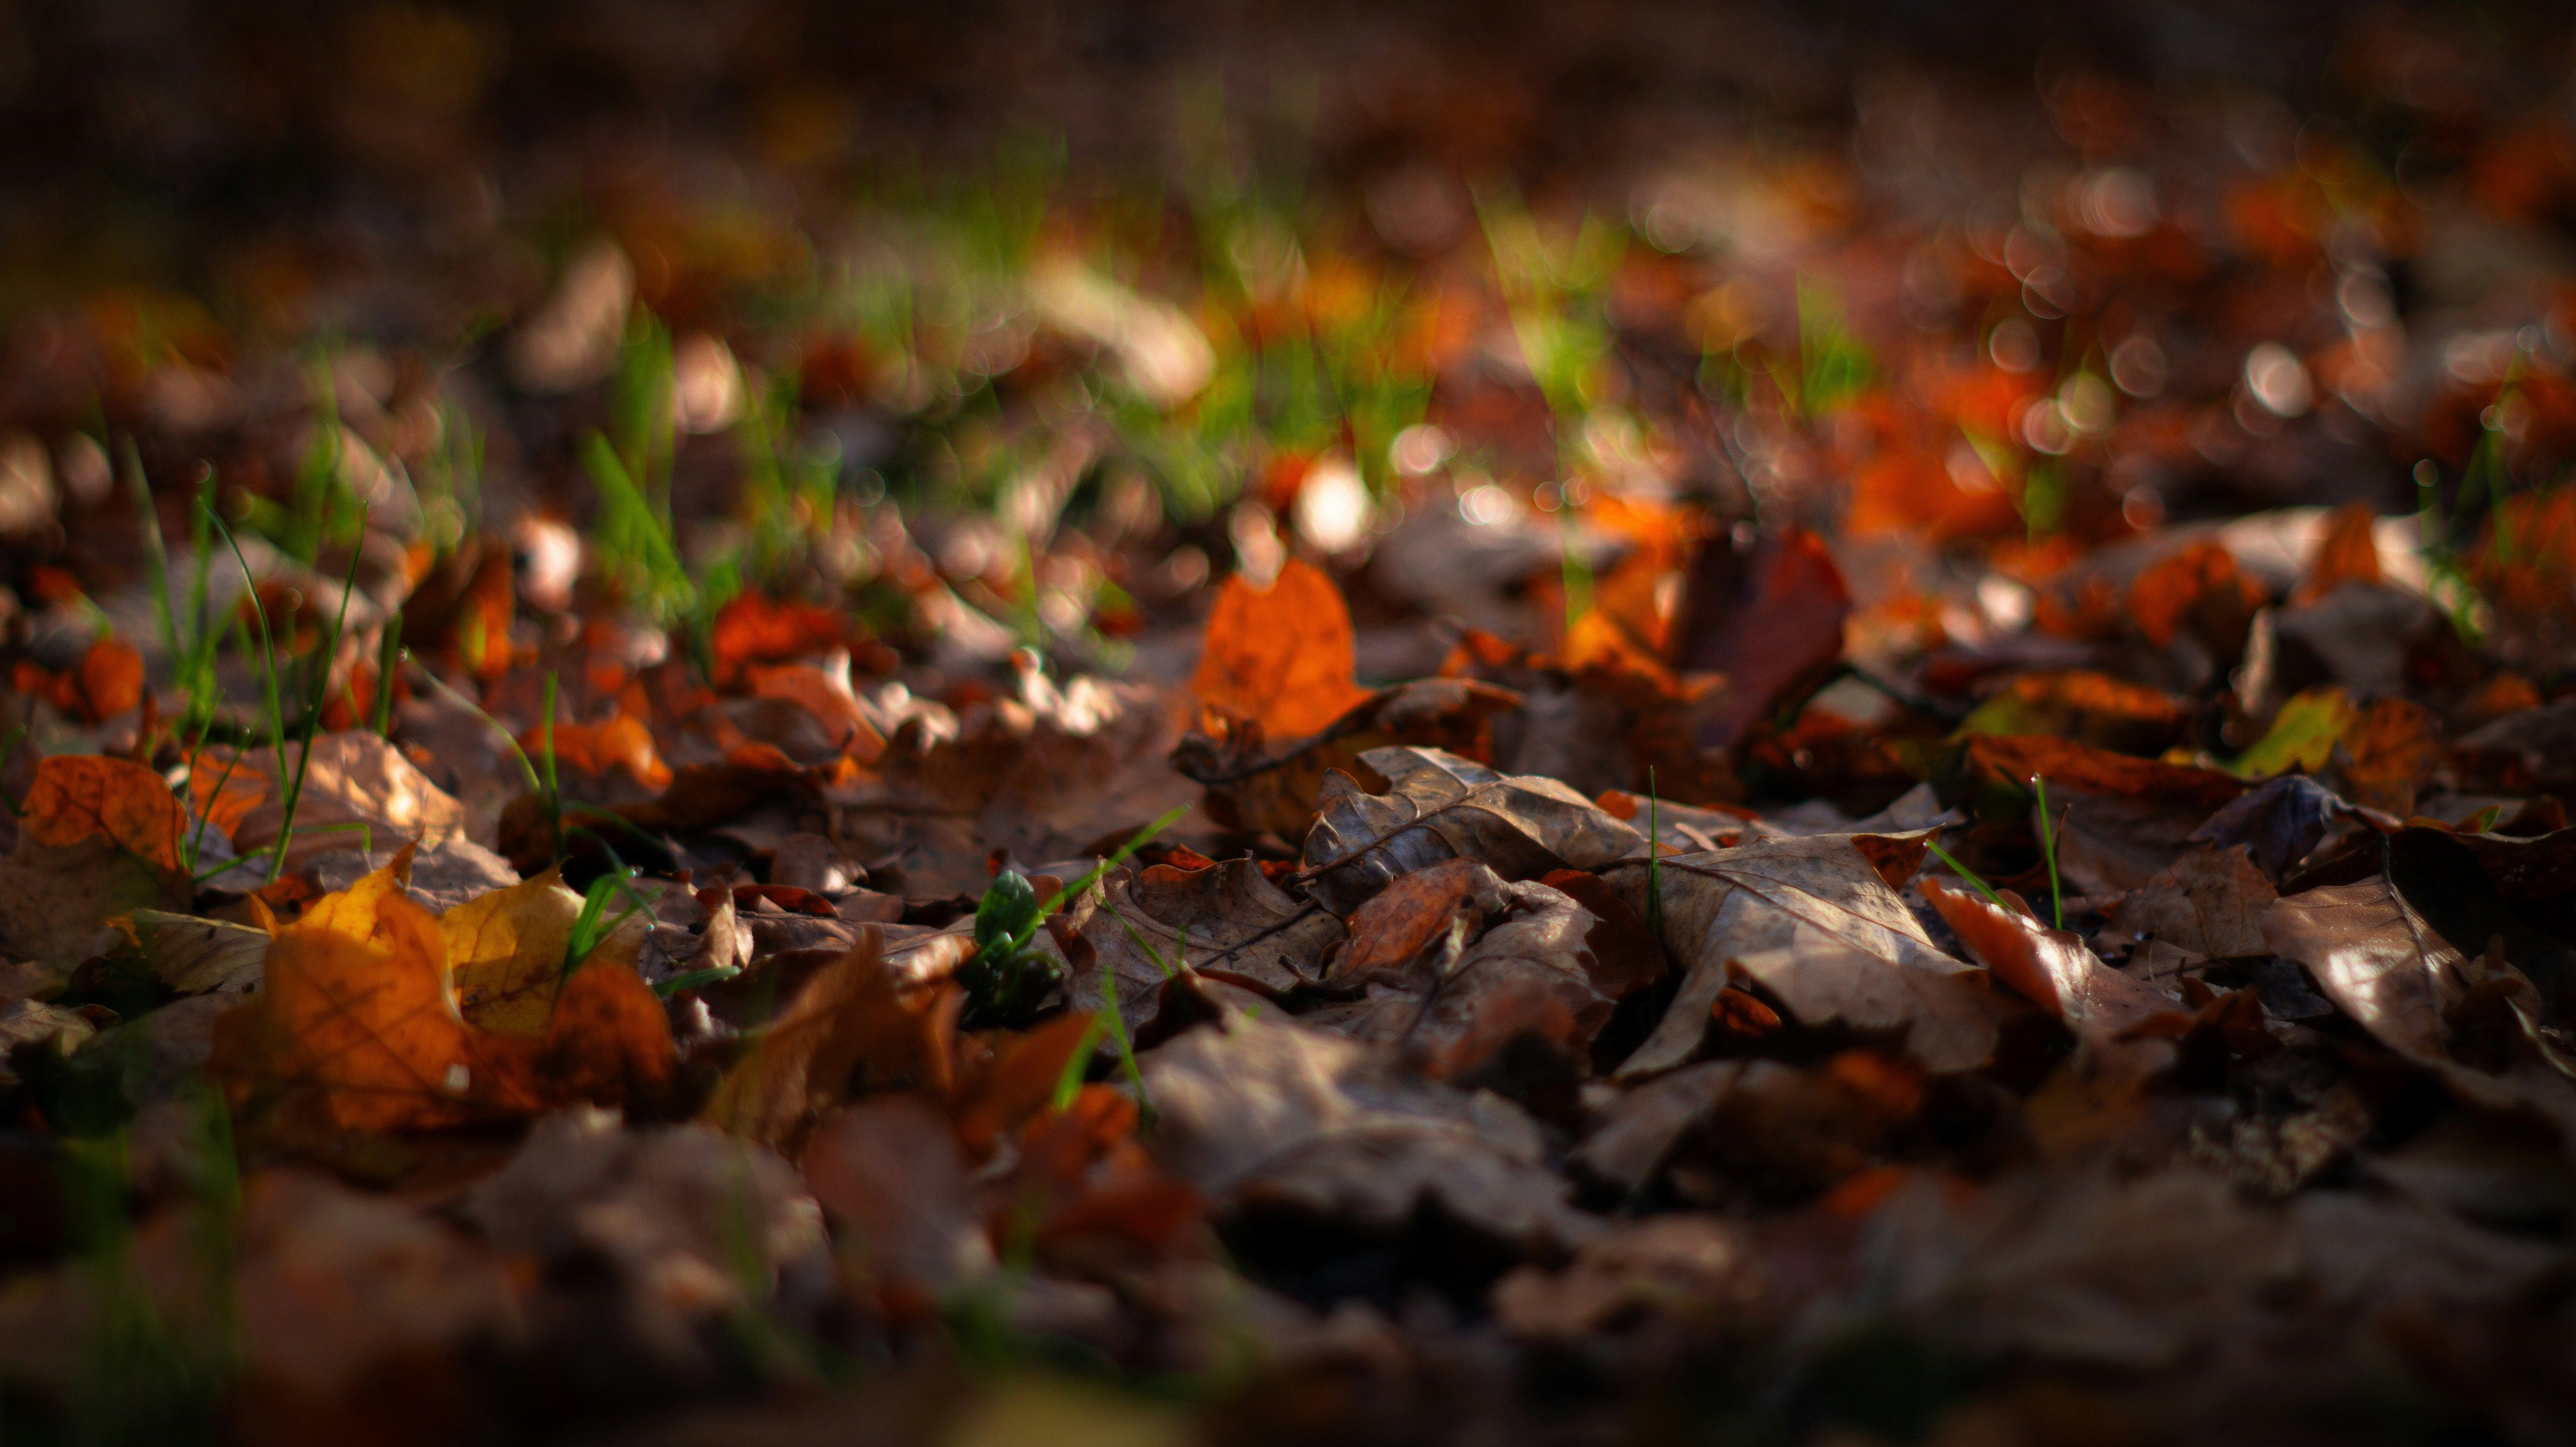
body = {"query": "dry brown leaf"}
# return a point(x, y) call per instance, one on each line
point(1411, 914)
point(193, 955)
point(2395, 745)
point(889, 1172)
point(1482, 984)
point(1252, 787)
point(851, 1019)
point(1438, 807)
point(2209, 903)
point(1701, 1268)
point(1226, 920)
point(2051, 967)
point(355, 778)
point(1282, 654)
point(1815, 922)
point(1260, 1112)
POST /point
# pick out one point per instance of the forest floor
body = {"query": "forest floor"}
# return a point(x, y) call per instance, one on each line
point(1461, 760)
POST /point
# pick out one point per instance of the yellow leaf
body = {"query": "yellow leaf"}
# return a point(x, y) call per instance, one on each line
point(506, 952)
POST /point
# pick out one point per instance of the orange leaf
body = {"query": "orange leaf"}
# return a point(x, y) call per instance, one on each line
point(2050, 966)
point(2347, 552)
point(619, 743)
point(357, 1028)
point(2082, 769)
point(757, 629)
point(2165, 595)
point(1282, 655)
point(1770, 624)
point(76, 797)
point(608, 1041)
point(825, 696)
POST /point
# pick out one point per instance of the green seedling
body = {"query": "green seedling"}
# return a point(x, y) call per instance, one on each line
point(592, 925)
point(1964, 872)
point(273, 699)
point(2048, 845)
point(1006, 980)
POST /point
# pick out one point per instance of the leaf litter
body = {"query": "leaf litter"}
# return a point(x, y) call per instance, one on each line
point(1711, 799)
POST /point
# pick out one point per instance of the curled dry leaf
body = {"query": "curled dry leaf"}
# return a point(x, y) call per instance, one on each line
point(852, 1024)
point(1771, 624)
point(1257, 1112)
point(1438, 807)
point(2052, 967)
point(1252, 786)
point(359, 792)
point(193, 955)
point(2376, 959)
point(1225, 921)
point(1524, 969)
point(1280, 655)
point(1817, 922)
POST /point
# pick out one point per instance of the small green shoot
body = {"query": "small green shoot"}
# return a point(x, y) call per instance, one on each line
point(592, 925)
point(2048, 846)
point(1964, 872)
point(1006, 980)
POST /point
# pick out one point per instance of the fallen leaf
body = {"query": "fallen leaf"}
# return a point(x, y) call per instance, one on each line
point(2090, 708)
point(2395, 746)
point(505, 952)
point(689, 1224)
point(1439, 806)
point(357, 1026)
point(1226, 921)
point(754, 628)
point(192, 955)
point(622, 744)
point(1527, 973)
point(849, 1021)
point(2209, 902)
point(98, 838)
point(359, 792)
point(1770, 625)
point(1815, 922)
point(1252, 788)
point(2347, 552)
point(1280, 655)
point(2200, 585)
point(78, 797)
point(2278, 822)
point(2303, 735)
point(889, 1172)
point(2052, 967)
point(1270, 1114)
point(2376, 959)
point(1698, 1268)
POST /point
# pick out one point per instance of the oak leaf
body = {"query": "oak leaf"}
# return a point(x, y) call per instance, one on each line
point(1439, 806)
point(1817, 922)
